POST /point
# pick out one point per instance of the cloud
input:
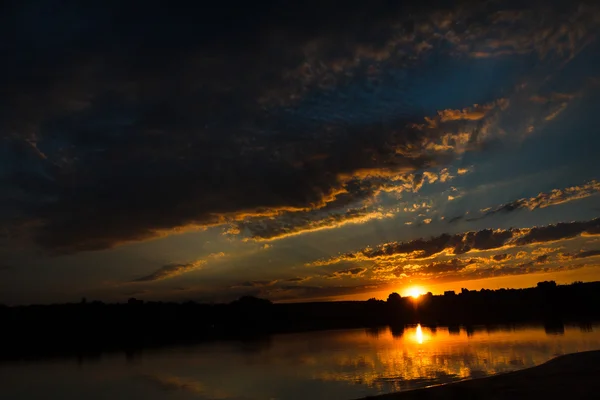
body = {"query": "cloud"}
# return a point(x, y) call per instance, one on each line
point(170, 271)
point(457, 218)
point(456, 244)
point(553, 97)
point(111, 151)
point(463, 268)
point(527, 31)
point(334, 214)
point(96, 205)
point(543, 200)
point(417, 206)
point(385, 273)
point(292, 224)
point(556, 112)
point(142, 126)
point(501, 257)
point(298, 279)
point(456, 131)
point(474, 113)
point(255, 284)
point(176, 269)
point(314, 293)
point(453, 265)
point(560, 231)
point(479, 31)
point(588, 253)
point(581, 254)
point(350, 272)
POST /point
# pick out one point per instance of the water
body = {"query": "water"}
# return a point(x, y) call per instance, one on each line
point(343, 364)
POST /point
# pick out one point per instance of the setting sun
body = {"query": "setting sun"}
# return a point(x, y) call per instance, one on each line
point(415, 291)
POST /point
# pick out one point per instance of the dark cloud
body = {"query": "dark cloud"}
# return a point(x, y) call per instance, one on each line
point(560, 231)
point(456, 219)
point(255, 284)
point(543, 200)
point(486, 239)
point(290, 224)
point(298, 279)
point(582, 254)
point(284, 290)
point(287, 292)
point(175, 269)
point(123, 122)
point(170, 270)
point(337, 213)
point(140, 123)
point(589, 253)
point(501, 257)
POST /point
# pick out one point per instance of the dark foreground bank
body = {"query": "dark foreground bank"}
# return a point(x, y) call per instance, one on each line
point(573, 376)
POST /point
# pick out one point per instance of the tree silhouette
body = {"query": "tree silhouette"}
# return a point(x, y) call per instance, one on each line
point(394, 298)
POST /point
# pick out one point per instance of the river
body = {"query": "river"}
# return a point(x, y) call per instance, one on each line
point(342, 364)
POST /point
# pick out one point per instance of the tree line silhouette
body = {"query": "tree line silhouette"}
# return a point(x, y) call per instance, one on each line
point(94, 327)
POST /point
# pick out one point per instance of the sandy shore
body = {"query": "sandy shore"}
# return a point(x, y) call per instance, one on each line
point(572, 376)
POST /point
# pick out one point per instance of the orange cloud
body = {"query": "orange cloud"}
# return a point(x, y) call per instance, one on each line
point(289, 225)
point(473, 113)
point(457, 244)
point(350, 272)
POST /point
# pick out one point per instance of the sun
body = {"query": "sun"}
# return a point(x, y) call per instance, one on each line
point(415, 291)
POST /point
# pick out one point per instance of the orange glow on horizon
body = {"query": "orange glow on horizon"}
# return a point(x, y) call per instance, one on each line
point(414, 291)
point(585, 274)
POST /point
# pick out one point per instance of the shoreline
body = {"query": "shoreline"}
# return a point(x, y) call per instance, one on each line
point(575, 376)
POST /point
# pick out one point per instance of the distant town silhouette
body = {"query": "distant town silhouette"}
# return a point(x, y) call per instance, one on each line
point(86, 328)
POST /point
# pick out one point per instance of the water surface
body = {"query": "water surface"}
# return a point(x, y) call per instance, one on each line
point(341, 364)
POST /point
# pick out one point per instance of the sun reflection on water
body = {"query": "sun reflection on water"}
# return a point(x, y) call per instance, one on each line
point(418, 356)
point(419, 334)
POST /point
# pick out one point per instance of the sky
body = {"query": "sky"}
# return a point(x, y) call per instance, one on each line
point(307, 151)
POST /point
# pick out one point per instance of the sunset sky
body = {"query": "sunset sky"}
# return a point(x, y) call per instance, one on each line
point(292, 152)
